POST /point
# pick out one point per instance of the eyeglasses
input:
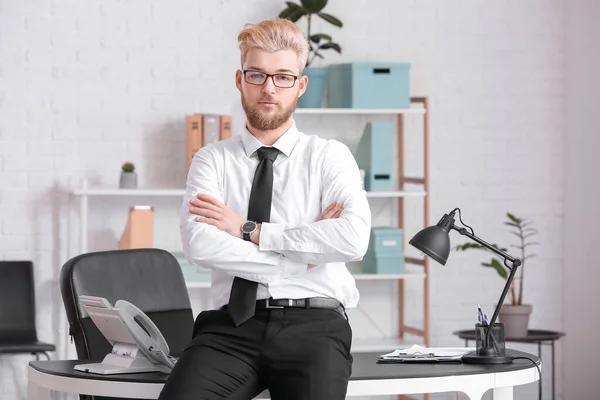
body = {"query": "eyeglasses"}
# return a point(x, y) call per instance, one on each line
point(279, 80)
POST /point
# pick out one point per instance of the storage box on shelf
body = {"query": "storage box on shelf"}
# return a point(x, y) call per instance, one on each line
point(368, 85)
point(375, 155)
point(385, 254)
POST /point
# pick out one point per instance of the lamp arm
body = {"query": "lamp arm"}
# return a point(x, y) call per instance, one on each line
point(515, 264)
point(482, 242)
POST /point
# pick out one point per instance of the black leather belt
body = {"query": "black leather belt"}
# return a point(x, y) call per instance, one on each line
point(312, 302)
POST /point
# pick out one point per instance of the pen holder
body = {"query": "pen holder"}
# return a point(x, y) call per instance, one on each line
point(495, 346)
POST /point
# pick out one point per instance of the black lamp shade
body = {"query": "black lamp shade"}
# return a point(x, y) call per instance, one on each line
point(434, 240)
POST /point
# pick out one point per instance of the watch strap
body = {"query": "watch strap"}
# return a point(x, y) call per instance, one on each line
point(246, 236)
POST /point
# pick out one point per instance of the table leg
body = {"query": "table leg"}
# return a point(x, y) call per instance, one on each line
point(553, 367)
point(503, 393)
point(36, 392)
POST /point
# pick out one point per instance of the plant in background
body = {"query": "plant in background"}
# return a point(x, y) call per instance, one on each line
point(128, 167)
point(523, 231)
point(317, 41)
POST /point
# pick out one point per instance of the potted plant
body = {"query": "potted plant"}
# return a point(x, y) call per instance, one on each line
point(128, 176)
point(515, 315)
point(317, 43)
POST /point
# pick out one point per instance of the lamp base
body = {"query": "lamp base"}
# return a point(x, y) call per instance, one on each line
point(474, 358)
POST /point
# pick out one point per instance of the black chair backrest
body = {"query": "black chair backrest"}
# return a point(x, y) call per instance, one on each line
point(151, 279)
point(17, 302)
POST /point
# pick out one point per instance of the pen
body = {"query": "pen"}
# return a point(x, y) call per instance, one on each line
point(483, 320)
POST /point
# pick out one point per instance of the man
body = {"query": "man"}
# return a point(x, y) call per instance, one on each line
point(275, 214)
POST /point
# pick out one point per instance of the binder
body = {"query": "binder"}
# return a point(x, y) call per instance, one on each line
point(202, 130)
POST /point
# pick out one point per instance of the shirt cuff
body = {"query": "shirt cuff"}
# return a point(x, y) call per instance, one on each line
point(271, 237)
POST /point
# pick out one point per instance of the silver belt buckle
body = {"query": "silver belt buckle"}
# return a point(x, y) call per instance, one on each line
point(268, 304)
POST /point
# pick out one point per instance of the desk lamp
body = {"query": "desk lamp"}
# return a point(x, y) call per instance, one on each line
point(434, 241)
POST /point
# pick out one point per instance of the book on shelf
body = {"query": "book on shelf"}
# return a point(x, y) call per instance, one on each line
point(204, 129)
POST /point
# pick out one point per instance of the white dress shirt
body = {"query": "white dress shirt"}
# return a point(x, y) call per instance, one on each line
point(309, 174)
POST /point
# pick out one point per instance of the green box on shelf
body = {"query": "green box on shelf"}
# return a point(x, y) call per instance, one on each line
point(385, 254)
point(368, 85)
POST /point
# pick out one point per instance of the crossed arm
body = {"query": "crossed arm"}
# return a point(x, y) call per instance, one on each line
point(341, 233)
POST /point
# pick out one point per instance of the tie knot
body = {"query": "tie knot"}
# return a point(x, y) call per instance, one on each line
point(270, 153)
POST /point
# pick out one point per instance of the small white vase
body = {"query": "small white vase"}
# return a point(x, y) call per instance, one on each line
point(128, 180)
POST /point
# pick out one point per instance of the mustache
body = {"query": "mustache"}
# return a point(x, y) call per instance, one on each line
point(268, 100)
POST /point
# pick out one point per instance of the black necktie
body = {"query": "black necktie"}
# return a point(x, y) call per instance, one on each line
point(243, 292)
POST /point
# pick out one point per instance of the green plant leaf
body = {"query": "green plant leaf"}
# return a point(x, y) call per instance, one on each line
point(313, 6)
point(293, 5)
point(317, 37)
point(466, 246)
point(297, 14)
point(294, 12)
point(331, 45)
point(512, 224)
point(285, 14)
point(513, 218)
point(331, 19)
point(497, 266)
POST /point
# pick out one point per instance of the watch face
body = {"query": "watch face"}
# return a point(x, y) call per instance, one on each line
point(248, 227)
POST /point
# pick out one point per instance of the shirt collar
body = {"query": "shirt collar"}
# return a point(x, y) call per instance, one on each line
point(284, 144)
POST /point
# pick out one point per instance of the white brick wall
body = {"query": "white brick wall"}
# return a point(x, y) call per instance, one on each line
point(582, 195)
point(85, 86)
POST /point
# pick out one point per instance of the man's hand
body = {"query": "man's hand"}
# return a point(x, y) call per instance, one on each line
point(333, 211)
point(213, 212)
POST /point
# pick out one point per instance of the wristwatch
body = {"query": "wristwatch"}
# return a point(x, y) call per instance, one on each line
point(247, 228)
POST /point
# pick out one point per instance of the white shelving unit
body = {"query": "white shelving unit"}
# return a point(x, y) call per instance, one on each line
point(360, 111)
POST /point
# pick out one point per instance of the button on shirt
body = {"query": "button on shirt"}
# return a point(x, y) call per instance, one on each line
point(309, 174)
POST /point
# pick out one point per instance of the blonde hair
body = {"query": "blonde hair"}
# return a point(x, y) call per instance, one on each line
point(274, 35)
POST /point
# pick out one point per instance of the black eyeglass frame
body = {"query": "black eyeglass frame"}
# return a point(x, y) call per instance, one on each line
point(267, 76)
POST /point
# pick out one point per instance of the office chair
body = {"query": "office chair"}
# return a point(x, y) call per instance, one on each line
point(151, 279)
point(18, 334)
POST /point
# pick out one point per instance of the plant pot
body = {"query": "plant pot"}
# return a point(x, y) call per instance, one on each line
point(128, 180)
point(515, 320)
point(313, 96)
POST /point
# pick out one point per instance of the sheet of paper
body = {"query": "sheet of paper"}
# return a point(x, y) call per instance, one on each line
point(445, 352)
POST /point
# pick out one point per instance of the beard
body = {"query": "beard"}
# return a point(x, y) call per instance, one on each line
point(264, 120)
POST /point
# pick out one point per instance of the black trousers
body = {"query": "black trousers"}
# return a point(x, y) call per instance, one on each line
point(296, 353)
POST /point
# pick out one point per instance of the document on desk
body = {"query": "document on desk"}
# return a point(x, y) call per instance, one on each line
point(418, 353)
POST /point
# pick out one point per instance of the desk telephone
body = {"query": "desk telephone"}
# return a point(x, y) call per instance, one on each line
point(138, 345)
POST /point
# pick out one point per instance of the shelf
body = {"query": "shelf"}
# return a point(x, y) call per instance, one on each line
point(388, 277)
point(382, 345)
point(397, 193)
point(111, 191)
point(359, 111)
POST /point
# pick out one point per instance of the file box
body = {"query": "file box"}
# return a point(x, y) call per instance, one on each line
point(385, 254)
point(368, 85)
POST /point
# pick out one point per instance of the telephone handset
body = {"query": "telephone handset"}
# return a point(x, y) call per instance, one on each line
point(138, 345)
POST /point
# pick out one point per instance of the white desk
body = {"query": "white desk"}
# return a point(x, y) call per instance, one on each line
point(368, 379)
